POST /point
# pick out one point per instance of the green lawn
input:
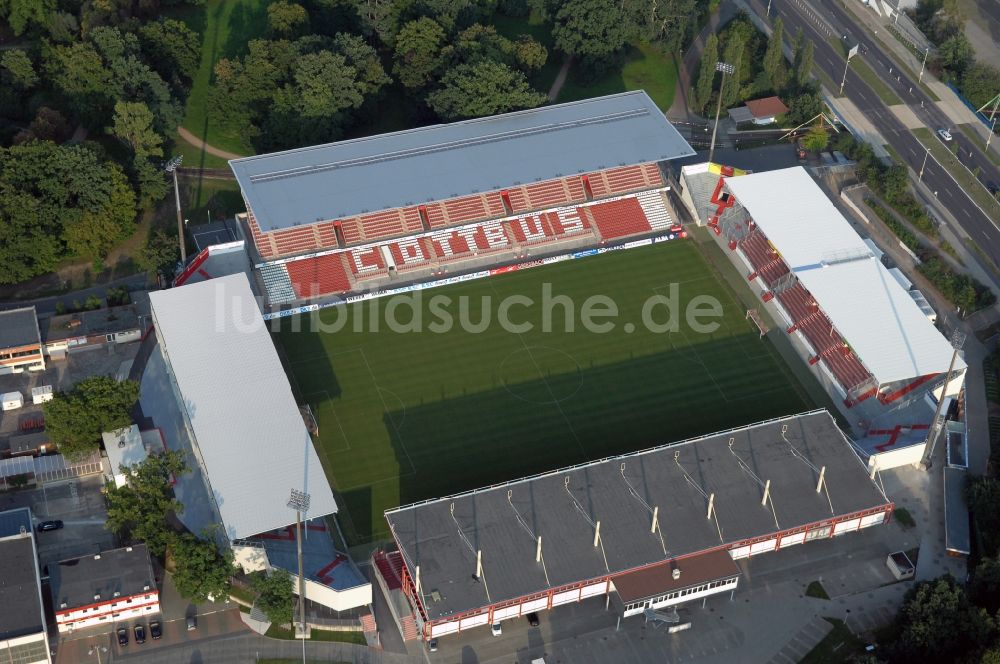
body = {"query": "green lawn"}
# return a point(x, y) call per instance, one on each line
point(358, 638)
point(409, 416)
point(645, 68)
point(225, 26)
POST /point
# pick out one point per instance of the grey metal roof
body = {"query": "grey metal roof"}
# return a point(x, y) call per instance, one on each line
point(12, 522)
point(20, 592)
point(18, 327)
point(126, 571)
point(444, 161)
point(505, 529)
point(247, 427)
point(956, 513)
point(89, 323)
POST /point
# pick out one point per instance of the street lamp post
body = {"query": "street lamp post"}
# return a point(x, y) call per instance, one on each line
point(923, 64)
point(299, 501)
point(993, 128)
point(920, 177)
point(850, 54)
point(171, 167)
point(725, 68)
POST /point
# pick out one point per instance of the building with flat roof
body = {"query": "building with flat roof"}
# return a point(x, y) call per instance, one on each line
point(247, 433)
point(23, 629)
point(114, 325)
point(654, 520)
point(104, 588)
point(20, 341)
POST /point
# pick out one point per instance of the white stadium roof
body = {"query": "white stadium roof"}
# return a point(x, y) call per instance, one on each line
point(245, 421)
point(874, 314)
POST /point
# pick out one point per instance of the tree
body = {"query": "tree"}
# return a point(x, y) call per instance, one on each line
point(979, 83)
point(325, 85)
point(138, 510)
point(939, 624)
point(18, 69)
point(590, 28)
point(706, 75)
point(370, 76)
point(173, 50)
point(985, 587)
point(93, 234)
point(417, 53)
point(774, 57)
point(287, 20)
point(956, 53)
point(133, 125)
point(57, 186)
point(20, 13)
point(804, 62)
point(816, 138)
point(48, 125)
point(665, 23)
point(150, 180)
point(737, 36)
point(804, 108)
point(275, 595)
point(485, 88)
point(76, 419)
point(159, 254)
point(201, 572)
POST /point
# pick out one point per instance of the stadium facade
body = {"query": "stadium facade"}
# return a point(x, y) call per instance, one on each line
point(414, 206)
point(649, 530)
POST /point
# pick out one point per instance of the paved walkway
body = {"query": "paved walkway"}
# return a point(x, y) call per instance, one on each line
point(557, 85)
point(202, 145)
point(680, 109)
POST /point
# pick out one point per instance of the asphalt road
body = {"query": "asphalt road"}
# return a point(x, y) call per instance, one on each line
point(908, 90)
point(974, 221)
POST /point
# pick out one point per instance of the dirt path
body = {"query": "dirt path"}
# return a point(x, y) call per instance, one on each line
point(202, 145)
point(557, 85)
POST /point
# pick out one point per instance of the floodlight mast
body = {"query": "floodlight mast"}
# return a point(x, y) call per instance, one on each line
point(957, 341)
point(725, 68)
point(171, 167)
point(299, 501)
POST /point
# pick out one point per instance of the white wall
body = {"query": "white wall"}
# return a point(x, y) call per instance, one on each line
point(109, 614)
point(902, 456)
point(338, 600)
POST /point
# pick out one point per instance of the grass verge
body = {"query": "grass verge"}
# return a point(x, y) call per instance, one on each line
point(816, 589)
point(978, 141)
point(840, 645)
point(970, 185)
point(903, 516)
point(284, 634)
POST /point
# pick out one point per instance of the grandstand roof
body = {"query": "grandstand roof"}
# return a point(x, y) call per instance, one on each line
point(876, 316)
point(246, 423)
point(433, 163)
point(503, 521)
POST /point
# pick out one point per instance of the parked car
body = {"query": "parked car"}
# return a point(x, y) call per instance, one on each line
point(122, 636)
point(191, 623)
point(533, 619)
point(944, 134)
point(54, 524)
point(155, 631)
point(140, 633)
point(432, 645)
point(496, 629)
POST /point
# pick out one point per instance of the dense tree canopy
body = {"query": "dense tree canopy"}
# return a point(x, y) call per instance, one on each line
point(138, 510)
point(59, 196)
point(275, 595)
point(76, 419)
point(486, 88)
point(590, 28)
point(201, 571)
point(419, 53)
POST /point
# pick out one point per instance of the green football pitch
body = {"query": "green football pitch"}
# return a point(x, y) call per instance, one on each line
point(406, 416)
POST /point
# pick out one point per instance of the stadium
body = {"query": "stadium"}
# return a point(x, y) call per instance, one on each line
point(561, 204)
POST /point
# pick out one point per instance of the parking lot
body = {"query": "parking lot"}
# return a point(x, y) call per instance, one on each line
point(79, 504)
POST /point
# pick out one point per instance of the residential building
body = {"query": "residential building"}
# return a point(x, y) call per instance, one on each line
point(20, 341)
point(23, 631)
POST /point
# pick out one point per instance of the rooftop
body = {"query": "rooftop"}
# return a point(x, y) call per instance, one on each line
point(659, 579)
point(18, 327)
point(101, 577)
point(20, 591)
point(766, 107)
point(883, 325)
point(124, 447)
point(433, 163)
point(247, 427)
point(503, 521)
point(89, 323)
